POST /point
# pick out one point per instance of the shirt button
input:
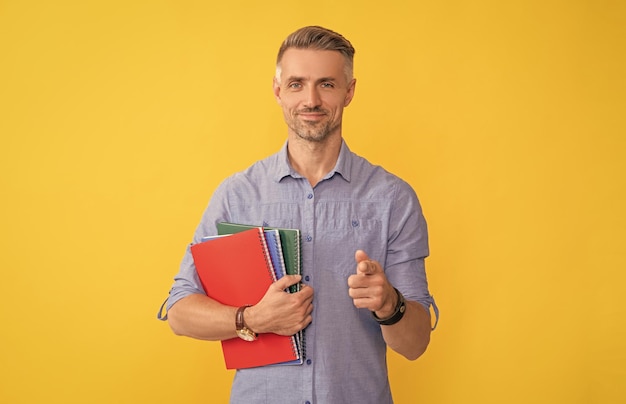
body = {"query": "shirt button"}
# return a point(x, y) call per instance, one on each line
point(355, 223)
point(307, 402)
point(309, 238)
point(309, 196)
point(307, 278)
point(309, 361)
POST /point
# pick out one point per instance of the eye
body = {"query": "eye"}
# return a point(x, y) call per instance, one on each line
point(327, 84)
point(294, 85)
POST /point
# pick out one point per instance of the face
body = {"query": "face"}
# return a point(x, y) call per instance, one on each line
point(313, 91)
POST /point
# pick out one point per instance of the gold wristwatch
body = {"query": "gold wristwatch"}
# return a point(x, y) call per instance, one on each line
point(243, 332)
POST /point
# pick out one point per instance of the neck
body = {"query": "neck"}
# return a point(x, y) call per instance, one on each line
point(313, 160)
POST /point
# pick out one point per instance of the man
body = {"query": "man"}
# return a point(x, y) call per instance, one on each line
point(364, 241)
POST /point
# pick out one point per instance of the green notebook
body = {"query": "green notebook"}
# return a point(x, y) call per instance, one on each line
point(289, 238)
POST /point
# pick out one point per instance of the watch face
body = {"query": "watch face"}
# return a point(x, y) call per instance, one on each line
point(246, 334)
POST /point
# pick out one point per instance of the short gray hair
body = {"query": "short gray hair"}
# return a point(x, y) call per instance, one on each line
point(318, 38)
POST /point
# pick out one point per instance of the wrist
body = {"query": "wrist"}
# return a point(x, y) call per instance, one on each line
point(250, 319)
point(389, 306)
point(242, 328)
point(397, 313)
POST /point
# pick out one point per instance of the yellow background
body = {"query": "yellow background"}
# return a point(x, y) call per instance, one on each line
point(119, 118)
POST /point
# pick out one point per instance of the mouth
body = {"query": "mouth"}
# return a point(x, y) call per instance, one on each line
point(311, 115)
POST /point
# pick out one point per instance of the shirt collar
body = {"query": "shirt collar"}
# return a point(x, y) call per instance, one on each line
point(281, 167)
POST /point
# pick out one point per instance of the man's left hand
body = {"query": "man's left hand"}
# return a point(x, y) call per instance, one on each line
point(369, 287)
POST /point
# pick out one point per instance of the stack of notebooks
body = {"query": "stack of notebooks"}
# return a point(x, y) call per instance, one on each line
point(236, 268)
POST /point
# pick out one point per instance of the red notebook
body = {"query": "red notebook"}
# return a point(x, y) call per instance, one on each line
point(236, 270)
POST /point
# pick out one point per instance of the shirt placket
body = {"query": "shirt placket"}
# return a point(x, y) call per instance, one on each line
point(308, 277)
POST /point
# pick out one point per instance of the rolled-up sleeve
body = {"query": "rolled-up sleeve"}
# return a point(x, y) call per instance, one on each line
point(186, 282)
point(408, 248)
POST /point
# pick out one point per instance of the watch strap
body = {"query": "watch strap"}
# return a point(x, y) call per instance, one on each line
point(398, 312)
point(243, 332)
point(239, 324)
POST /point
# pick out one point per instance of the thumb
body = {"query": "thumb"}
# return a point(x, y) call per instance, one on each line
point(287, 280)
point(360, 255)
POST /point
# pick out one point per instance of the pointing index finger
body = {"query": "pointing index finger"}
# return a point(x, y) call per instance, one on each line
point(364, 265)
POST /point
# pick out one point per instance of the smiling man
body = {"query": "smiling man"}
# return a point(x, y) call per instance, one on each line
point(364, 243)
point(313, 88)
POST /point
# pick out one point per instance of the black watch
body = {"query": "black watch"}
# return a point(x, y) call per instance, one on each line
point(398, 313)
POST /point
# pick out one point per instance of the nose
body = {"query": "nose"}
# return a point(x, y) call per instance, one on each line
point(313, 98)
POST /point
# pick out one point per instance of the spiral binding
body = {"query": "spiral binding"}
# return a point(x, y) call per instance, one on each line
point(296, 340)
point(278, 247)
point(266, 254)
point(298, 263)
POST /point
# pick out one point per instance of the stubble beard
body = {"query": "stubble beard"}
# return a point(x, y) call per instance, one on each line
point(309, 131)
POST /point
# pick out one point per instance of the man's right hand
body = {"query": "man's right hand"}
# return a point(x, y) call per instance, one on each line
point(280, 312)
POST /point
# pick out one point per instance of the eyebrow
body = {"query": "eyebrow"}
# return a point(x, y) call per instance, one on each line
point(320, 80)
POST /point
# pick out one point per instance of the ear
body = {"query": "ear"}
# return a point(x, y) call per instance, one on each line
point(350, 93)
point(276, 90)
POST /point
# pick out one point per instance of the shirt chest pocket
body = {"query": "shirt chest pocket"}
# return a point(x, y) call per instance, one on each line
point(338, 240)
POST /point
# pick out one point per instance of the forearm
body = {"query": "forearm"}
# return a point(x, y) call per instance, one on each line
point(409, 336)
point(201, 317)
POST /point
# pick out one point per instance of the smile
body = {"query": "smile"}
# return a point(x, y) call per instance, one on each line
point(311, 116)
